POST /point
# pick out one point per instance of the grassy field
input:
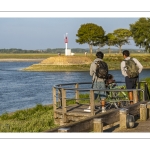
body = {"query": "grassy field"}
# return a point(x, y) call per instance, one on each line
point(37, 119)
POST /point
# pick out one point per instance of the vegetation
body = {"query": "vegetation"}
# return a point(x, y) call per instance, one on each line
point(121, 37)
point(91, 34)
point(113, 61)
point(141, 33)
point(37, 119)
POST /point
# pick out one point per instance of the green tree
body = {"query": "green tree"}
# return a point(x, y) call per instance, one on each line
point(121, 37)
point(91, 34)
point(141, 33)
point(110, 40)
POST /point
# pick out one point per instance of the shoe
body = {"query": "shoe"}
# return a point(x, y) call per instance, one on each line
point(88, 109)
point(103, 109)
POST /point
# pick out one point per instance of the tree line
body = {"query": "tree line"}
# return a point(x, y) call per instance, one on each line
point(60, 50)
point(94, 35)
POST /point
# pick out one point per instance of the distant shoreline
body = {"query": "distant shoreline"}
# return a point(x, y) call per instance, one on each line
point(20, 60)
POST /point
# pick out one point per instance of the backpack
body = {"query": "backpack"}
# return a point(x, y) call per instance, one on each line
point(131, 68)
point(101, 69)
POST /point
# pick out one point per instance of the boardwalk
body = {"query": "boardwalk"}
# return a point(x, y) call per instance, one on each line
point(140, 126)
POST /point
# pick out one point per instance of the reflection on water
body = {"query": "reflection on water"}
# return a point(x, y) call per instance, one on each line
point(20, 89)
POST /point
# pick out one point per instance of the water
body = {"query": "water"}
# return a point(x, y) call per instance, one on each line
point(20, 89)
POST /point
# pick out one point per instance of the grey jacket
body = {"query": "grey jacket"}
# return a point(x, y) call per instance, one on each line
point(93, 70)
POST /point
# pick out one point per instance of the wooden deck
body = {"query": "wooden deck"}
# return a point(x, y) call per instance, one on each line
point(76, 112)
point(140, 126)
point(111, 120)
point(72, 113)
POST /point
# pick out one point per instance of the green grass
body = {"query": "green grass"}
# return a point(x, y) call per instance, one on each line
point(37, 119)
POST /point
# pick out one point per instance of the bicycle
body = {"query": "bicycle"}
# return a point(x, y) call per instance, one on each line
point(118, 99)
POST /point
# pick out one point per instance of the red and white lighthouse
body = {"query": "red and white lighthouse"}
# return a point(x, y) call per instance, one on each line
point(67, 51)
point(66, 43)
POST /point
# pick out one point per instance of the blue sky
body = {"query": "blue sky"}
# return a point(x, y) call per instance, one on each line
point(43, 33)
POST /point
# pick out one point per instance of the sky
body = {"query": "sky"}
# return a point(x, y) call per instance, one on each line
point(42, 33)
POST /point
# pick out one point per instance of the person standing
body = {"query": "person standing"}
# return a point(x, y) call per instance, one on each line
point(130, 82)
point(99, 82)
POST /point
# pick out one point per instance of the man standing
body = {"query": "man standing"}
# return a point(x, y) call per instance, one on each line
point(98, 78)
point(129, 80)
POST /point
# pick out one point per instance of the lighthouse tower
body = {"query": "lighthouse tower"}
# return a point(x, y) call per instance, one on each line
point(67, 51)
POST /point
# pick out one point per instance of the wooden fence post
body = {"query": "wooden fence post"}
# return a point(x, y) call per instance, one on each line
point(64, 109)
point(54, 102)
point(92, 102)
point(135, 96)
point(60, 97)
point(143, 112)
point(77, 93)
point(97, 125)
point(123, 118)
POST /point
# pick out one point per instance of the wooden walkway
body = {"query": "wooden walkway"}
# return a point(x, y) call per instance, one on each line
point(140, 126)
point(113, 120)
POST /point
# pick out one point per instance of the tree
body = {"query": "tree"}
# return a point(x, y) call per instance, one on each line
point(91, 34)
point(141, 33)
point(110, 40)
point(121, 37)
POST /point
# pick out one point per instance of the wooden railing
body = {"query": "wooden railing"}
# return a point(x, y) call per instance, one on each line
point(60, 92)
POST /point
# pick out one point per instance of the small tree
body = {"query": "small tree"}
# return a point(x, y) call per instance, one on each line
point(121, 37)
point(90, 33)
point(110, 40)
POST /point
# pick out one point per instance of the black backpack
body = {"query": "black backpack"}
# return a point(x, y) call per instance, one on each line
point(131, 68)
point(101, 69)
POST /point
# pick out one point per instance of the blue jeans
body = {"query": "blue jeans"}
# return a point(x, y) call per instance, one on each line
point(99, 86)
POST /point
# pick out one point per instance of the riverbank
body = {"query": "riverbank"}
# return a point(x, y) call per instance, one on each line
point(82, 63)
point(78, 62)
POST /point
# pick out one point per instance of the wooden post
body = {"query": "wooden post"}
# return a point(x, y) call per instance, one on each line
point(148, 109)
point(77, 93)
point(139, 86)
point(143, 112)
point(60, 97)
point(123, 118)
point(145, 91)
point(135, 96)
point(92, 102)
point(54, 102)
point(63, 130)
point(64, 109)
point(98, 125)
